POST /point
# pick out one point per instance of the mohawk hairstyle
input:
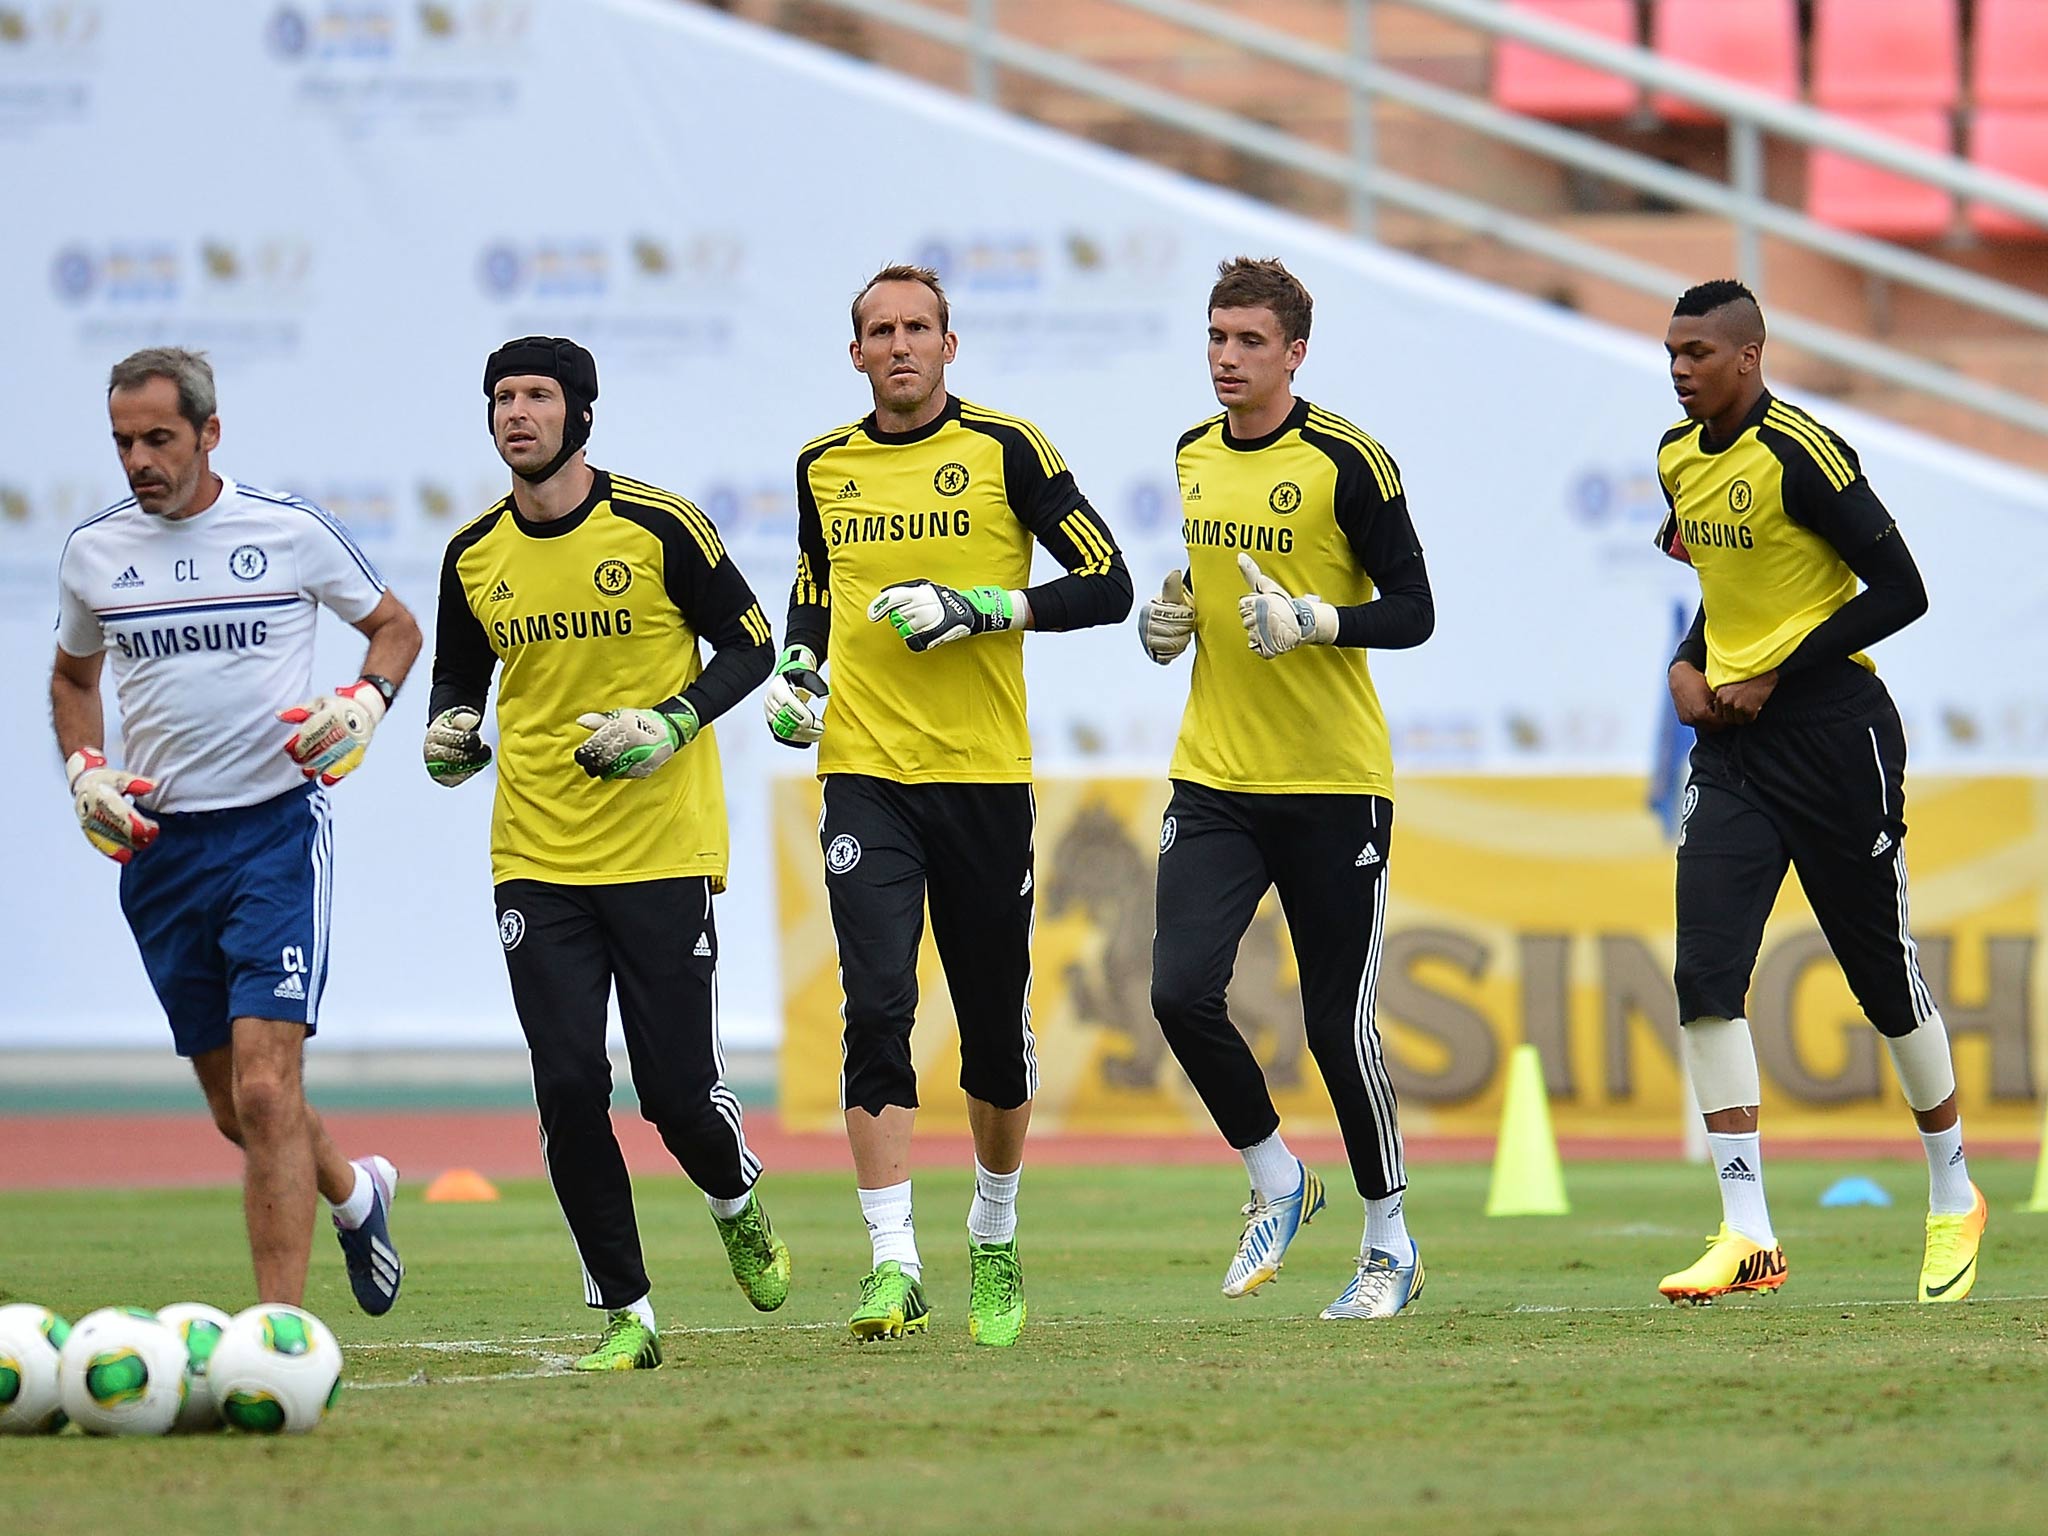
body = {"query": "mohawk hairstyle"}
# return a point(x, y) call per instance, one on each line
point(1705, 298)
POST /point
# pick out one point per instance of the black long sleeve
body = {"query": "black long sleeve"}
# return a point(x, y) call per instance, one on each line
point(714, 600)
point(463, 658)
point(1372, 510)
point(1096, 588)
point(810, 596)
point(1893, 596)
point(1693, 648)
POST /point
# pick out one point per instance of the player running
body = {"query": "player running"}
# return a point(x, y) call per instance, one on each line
point(207, 593)
point(1283, 776)
point(914, 531)
point(1800, 760)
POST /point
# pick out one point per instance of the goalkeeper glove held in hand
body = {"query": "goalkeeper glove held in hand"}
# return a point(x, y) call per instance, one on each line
point(632, 743)
point(926, 614)
point(109, 820)
point(334, 730)
point(1166, 623)
point(796, 698)
point(454, 752)
point(1275, 621)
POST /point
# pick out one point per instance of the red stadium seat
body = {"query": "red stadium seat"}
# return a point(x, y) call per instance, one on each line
point(1752, 42)
point(2017, 144)
point(1540, 84)
point(1886, 53)
point(2009, 53)
point(1854, 194)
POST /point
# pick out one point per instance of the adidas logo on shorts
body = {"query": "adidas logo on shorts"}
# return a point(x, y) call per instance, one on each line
point(703, 944)
point(290, 987)
point(1367, 857)
point(1882, 846)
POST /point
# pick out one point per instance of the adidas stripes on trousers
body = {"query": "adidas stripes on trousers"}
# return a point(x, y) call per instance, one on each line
point(566, 947)
point(1219, 853)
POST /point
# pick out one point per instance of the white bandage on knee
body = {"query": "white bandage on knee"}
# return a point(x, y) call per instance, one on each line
point(1721, 1058)
point(1926, 1070)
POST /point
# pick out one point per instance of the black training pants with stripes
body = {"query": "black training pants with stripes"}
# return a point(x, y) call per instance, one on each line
point(566, 947)
point(1219, 853)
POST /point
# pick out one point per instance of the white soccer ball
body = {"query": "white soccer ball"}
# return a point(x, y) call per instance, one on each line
point(121, 1372)
point(200, 1326)
point(30, 1338)
point(276, 1369)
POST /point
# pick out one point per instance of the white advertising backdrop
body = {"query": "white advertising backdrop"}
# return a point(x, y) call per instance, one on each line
point(350, 205)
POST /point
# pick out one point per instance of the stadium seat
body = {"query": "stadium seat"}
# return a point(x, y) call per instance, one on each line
point(2017, 144)
point(1540, 84)
point(1854, 194)
point(1882, 54)
point(2009, 54)
point(1752, 42)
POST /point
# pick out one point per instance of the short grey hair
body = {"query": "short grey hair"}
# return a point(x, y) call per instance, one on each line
point(190, 371)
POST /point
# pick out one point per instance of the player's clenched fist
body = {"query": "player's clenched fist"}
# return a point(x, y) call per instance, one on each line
point(632, 743)
point(453, 750)
point(106, 814)
point(796, 698)
point(926, 614)
point(334, 730)
point(1276, 621)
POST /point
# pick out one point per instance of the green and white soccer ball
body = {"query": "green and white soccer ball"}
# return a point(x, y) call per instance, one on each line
point(30, 1338)
point(200, 1326)
point(121, 1372)
point(276, 1370)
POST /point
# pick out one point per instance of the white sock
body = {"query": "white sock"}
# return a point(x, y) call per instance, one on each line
point(1275, 1171)
point(725, 1210)
point(1739, 1161)
point(1387, 1229)
point(993, 1216)
point(1948, 1175)
point(355, 1210)
point(890, 1228)
point(642, 1309)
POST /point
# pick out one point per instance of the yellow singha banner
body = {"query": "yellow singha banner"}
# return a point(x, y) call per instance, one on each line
point(1535, 909)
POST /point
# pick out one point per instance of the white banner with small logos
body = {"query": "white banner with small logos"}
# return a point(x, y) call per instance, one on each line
point(349, 204)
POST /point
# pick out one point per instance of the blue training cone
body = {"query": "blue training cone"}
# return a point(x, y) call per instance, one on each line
point(1855, 1190)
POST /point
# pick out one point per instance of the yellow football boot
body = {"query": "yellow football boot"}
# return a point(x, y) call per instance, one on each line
point(1950, 1266)
point(1731, 1263)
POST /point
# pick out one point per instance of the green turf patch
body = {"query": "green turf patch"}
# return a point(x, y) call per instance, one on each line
point(1540, 1385)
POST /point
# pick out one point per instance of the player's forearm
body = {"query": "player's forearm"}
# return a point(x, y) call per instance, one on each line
point(1692, 650)
point(735, 671)
point(394, 646)
point(77, 714)
point(1402, 616)
point(808, 624)
point(1081, 602)
point(1893, 596)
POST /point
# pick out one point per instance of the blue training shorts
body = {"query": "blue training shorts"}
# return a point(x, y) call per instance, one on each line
point(230, 911)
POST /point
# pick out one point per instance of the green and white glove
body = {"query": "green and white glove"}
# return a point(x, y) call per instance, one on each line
point(632, 743)
point(796, 699)
point(1166, 623)
point(926, 614)
point(1275, 621)
point(454, 752)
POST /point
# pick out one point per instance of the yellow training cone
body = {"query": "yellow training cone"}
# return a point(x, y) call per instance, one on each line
point(2040, 1199)
point(460, 1185)
point(1527, 1178)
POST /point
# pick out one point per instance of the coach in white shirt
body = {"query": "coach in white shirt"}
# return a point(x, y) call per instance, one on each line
point(206, 593)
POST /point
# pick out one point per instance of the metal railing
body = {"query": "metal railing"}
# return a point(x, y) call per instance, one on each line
point(1750, 115)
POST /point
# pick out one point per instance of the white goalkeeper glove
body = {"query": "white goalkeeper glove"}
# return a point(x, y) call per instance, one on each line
point(454, 752)
point(1166, 623)
point(796, 699)
point(926, 614)
point(334, 730)
point(1275, 621)
point(632, 743)
point(105, 813)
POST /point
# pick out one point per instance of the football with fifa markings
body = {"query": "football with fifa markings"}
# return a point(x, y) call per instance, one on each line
point(200, 1326)
point(30, 1338)
point(121, 1372)
point(275, 1370)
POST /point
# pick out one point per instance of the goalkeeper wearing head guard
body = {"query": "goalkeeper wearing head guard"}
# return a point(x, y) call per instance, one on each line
point(206, 594)
point(915, 526)
point(590, 592)
point(1283, 776)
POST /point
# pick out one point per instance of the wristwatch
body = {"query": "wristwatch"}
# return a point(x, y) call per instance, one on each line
point(383, 685)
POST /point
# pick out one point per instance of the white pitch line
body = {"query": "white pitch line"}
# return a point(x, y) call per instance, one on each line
point(1774, 1304)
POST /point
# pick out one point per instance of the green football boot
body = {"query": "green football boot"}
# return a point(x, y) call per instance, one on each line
point(995, 1298)
point(628, 1345)
point(892, 1305)
point(759, 1259)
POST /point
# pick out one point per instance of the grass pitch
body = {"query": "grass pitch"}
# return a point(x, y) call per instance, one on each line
point(1539, 1386)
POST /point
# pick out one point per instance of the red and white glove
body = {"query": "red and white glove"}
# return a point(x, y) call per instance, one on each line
point(334, 730)
point(105, 813)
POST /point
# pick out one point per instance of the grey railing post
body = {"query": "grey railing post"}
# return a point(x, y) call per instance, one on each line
point(1364, 149)
point(981, 62)
point(1746, 172)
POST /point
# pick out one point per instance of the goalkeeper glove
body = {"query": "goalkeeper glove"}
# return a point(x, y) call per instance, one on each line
point(1275, 621)
point(455, 753)
point(632, 743)
point(795, 704)
point(1166, 623)
point(110, 822)
point(926, 614)
point(334, 730)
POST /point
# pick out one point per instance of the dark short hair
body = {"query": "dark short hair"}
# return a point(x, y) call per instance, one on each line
point(1252, 283)
point(904, 272)
point(190, 371)
point(1705, 298)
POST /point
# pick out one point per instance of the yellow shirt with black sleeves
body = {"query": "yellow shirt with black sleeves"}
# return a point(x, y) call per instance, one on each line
point(1764, 520)
point(600, 609)
point(957, 501)
point(1319, 505)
